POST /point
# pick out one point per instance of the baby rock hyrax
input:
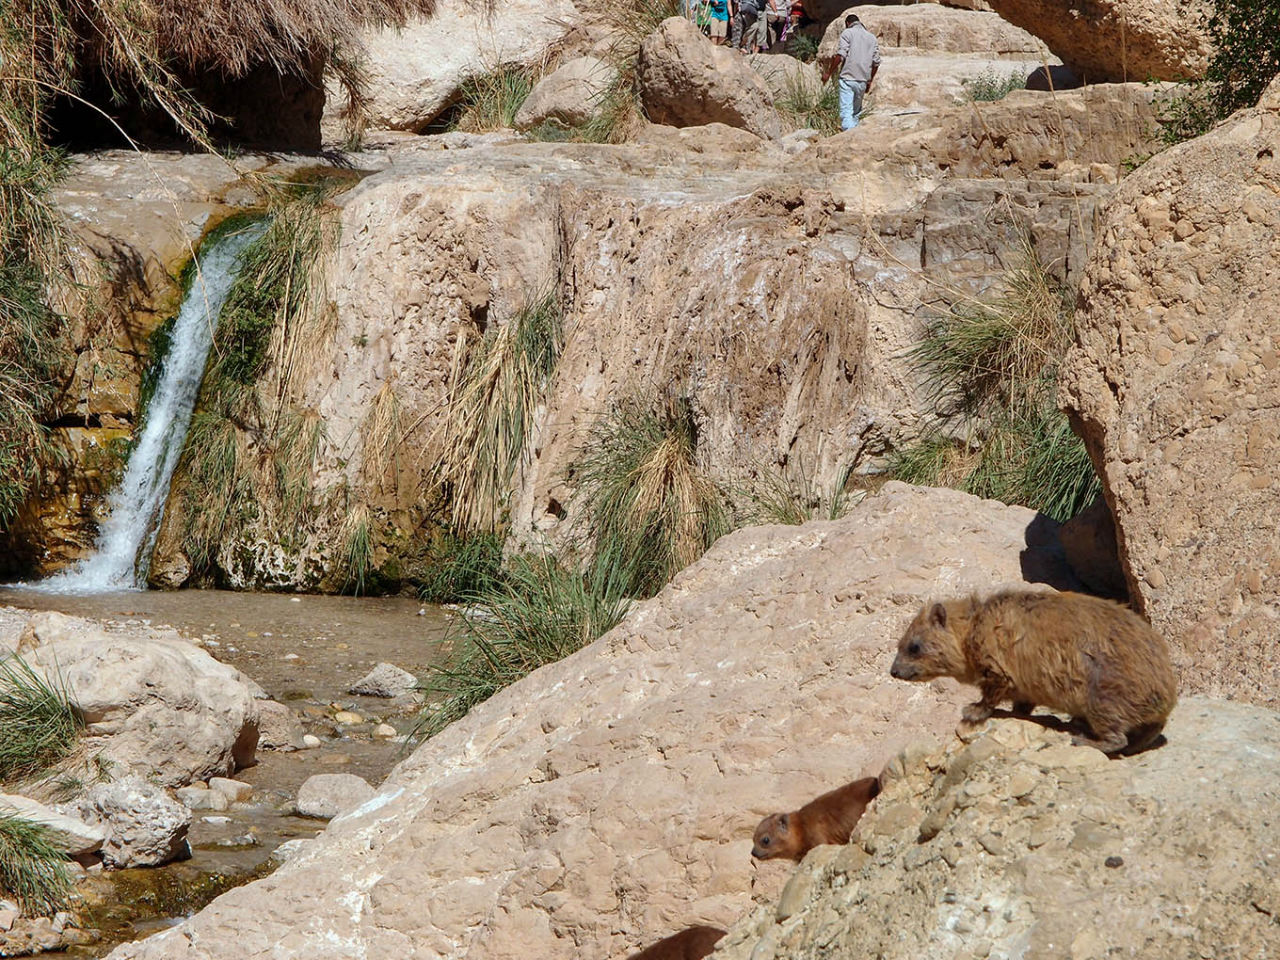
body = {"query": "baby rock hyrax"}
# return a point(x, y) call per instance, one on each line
point(829, 818)
point(1089, 657)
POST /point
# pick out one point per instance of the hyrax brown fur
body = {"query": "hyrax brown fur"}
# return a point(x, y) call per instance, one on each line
point(829, 818)
point(1089, 657)
point(691, 944)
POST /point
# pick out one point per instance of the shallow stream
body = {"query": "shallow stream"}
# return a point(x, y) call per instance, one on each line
point(305, 651)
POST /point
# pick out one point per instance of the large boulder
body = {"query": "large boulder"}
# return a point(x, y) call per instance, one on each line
point(609, 798)
point(143, 826)
point(1021, 845)
point(1174, 384)
point(157, 706)
point(1107, 41)
point(569, 94)
point(927, 27)
point(416, 72)
point(686, 80)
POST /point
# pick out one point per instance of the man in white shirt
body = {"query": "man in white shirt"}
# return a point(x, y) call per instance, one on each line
point(859, 58)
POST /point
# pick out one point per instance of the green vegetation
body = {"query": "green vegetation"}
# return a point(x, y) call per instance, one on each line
point(539, 613)
point(461, 567)
point(992, 368)
point(776, 497)
point(492, 100)
point(990, 85)
point(40, 725)
point(501, 380)
point(650, 509)
point(803, 46)
point(32, 870)
point(805, 105)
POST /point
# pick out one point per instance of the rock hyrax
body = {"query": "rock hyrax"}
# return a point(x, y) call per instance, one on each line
point(1089, 657)
point(829, 818)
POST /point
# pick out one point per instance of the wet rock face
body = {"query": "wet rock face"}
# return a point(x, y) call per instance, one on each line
point(686, 80)
point(1110, 41)
point(1019, 844)
point(1175, 385)
point(603, 801)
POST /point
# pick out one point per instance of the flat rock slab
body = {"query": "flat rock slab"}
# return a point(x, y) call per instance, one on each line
point(69, 834)
point(574, 814)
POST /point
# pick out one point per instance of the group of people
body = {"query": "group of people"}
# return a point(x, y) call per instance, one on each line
point(751, 26)
point(857, 55)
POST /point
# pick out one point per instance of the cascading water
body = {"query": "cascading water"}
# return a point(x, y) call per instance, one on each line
point(128, 535)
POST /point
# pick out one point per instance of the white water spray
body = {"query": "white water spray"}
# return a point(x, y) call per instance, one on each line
point(128, 535)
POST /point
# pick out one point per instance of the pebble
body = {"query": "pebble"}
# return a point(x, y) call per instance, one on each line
point(295, 599)
point(384, 730)
point(348, 718)
point(310, 740)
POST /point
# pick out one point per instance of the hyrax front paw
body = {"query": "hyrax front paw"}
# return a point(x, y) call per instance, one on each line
point(976, 712)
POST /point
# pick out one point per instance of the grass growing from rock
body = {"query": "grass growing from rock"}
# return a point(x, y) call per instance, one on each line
point(462, 566)
point(39, 725)
point(491, 100)
point(992, 370)
point(776, 497)
point(32, 870)
point(645, 497)
point(619, 110)
point(805, 105)
point(803, 47)
point(540, 612)
point(990, 86)
point(501, 379)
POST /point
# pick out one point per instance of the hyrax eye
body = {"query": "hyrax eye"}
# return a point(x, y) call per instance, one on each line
point(914, 648)
point(764, 841)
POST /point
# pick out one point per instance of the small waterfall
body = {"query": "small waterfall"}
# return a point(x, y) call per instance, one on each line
point(128, 535)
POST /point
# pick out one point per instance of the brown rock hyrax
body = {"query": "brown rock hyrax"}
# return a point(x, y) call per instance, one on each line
point(1089, 657)
point(829, 818)
point(691, 944)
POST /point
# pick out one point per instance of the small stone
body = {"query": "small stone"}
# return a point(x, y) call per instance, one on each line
point(1114, 862)
point(348, 718)
point(326, 795)
point(386, 680)
point(8, 914)
point(384, 730)
point(310, 741)
point(993, 845)
point(201, 798)
point(236, 791)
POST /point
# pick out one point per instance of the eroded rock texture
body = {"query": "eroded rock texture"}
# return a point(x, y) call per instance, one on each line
point(609, 799)
point(1175, 384)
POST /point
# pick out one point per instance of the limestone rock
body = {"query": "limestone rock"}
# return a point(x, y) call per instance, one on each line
point(685, 80)
point(143, 825)
point(326, 795)
point(784, 74)
point(1108, 41)
point(579, 811)
point(1089, 543)
point(161, 708)
point(1037, 848)
point(417, 72)
point(69, 834)
point(925, 28)
point(236, 791)
point(278, 727)
point(202, 798)
point(1174, 383)
point(570, 94)
point(385, 680)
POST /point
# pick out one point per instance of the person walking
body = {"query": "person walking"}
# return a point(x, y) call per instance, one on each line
point(719, 23)
point(858, 59)
point(744, 23)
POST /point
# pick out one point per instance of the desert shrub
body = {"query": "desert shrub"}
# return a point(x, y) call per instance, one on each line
point(992, 369)
point(539, 612)
point(794, 497)
point(803, 47)
point(501, 381)
point(990, 85)
point(40, 725)
point(32, 870)
point(462, 566)
point(647, 504)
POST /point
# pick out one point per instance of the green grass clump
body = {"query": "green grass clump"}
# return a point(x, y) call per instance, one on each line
point(805, 105)
point(39, 724)
point(794, 497)
point(499, 385)
point(990, 86)
point(32, 870)
point(537, 614)
point(629, 21)
point(646, 500)
point(491, 100)
point(462, 566)
point(992, 371)
point(803, 47)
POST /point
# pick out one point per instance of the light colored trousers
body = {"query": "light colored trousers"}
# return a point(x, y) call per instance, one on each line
point(851, 94)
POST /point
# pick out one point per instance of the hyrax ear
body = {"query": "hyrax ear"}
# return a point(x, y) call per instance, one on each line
point(938, 615)
point(783, 821)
